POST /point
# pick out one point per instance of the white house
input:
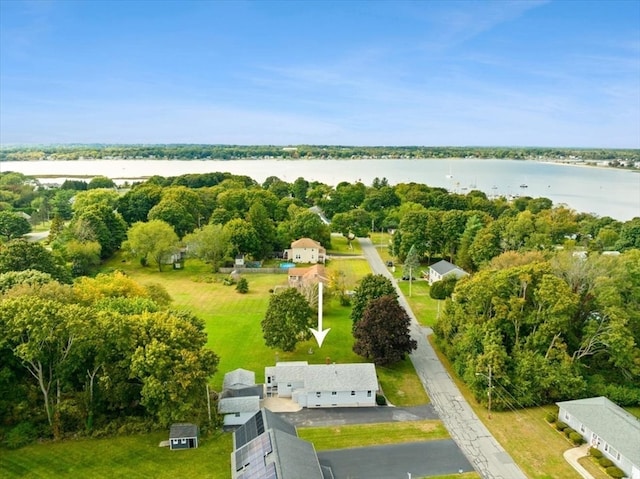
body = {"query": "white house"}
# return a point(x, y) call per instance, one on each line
point(306, 250)
point(443, 269)
point(608, 427)
point(283, 378)
point(238, 410)
point(240, 397)
point(324, 385)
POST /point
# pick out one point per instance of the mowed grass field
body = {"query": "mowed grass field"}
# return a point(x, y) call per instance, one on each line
point(233, 320)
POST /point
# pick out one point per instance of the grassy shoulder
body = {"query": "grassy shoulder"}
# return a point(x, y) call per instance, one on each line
point(534, 444)
point(361, 435)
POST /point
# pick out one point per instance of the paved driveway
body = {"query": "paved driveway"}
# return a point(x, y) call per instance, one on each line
point(420, 459)
point(363, 415)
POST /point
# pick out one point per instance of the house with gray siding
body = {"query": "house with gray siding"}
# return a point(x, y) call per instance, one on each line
point(240, 397)
point(607, 427)
point(443, 269)
point(324, 385)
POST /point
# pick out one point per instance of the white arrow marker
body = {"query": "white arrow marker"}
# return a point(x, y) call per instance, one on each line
point(319, 333)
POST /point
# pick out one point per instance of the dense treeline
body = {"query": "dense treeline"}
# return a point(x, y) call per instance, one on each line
point(102, 354)
point(233, 152)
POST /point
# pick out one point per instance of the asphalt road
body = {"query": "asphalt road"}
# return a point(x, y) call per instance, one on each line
point(420, 459)
point(486, 455)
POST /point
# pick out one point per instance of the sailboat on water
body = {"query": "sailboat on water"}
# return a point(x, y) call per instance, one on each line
point(450, 175)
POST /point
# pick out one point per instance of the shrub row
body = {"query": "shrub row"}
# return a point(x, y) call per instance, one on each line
point(615, 472)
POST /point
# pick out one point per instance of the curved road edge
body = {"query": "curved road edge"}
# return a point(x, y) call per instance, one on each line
point(486, 455)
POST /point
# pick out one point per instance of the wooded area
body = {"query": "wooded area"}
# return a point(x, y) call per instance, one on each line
point(235, 152)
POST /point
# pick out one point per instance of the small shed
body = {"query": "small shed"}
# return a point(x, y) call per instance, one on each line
point(183, 436)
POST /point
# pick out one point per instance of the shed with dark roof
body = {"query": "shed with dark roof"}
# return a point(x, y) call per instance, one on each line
point(183, 436)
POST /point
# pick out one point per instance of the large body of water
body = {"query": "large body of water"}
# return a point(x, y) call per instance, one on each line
point(602, 191)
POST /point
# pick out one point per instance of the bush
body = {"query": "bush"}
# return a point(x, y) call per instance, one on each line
point(21, 435)
point(568, 431)
point(615, 472)
point(594, 452)
point(381, 400)
point(243, 286)
point(561, 426)
point(550, 417)
point(605, 462)
point(576, 438)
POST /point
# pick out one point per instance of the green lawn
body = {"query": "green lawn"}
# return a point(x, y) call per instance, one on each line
point(128, 457)
point(233, 321)
point(359, 435)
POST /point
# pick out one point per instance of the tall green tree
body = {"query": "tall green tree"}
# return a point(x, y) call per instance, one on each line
point(13, 225)
point(21, 255)
point(211, 244)
point(265, 229)
point(287, 320)
point(369, 288)
point(153, 241)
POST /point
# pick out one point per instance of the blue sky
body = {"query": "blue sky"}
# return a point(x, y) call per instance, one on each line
point(452, 73)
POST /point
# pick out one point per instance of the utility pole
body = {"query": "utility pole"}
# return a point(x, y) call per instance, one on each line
point(489, 392)
point(490, 379)
point(410, 279)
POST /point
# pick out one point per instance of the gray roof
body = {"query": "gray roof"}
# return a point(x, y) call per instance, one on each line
point(444, 267)
point(243, 391)
point(239, 377)
point(183, 430)
point(341, 377)
point(239, 404)
point(609, 421)
point(262, 421)
point(291, 371)
point(296, 458)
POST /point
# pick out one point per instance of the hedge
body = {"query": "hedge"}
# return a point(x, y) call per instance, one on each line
point(615, 472)
point(594, 452)
point(561, 426)
point(605, 462)
point(576, 438)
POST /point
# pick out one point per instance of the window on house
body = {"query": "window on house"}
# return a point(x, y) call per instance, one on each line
point(333, 393)
point(353, 393)
point(288, 385)
point(318, 394)
point(368, 394)
point(237, 414)
point(581, 427)
point(606, 447)
point(566, 415)
point(183, 441)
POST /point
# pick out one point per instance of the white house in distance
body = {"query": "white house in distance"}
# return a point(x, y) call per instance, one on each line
point(443, 269)
point(323, 385)
point(306, 250)
point(607, 427)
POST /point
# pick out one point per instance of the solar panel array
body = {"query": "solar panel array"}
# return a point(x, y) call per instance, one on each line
point(250, 459)
point(249, 430)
